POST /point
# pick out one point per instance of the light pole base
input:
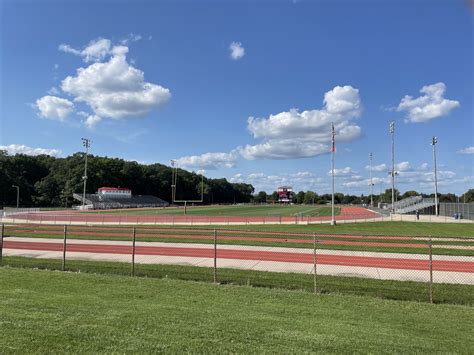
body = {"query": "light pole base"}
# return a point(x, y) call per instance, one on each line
point(333, 222)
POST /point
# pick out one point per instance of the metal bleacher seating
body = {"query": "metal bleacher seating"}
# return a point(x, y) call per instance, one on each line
point(137, 201)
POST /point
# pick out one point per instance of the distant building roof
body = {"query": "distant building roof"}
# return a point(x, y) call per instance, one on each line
point(114, 189)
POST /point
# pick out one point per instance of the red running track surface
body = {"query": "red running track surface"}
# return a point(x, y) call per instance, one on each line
point(306, 258)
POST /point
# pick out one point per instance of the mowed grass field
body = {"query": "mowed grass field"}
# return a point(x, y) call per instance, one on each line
point(231, 210)
point(53, 312)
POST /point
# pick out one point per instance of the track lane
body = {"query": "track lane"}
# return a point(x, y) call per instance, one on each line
point(290, 257)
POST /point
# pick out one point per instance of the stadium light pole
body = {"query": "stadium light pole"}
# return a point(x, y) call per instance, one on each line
point(392, 133)
point(86, 143)
point(333, 149)
point(17, 195)
point(434, 140)
point(173, 182)
point(371, 183)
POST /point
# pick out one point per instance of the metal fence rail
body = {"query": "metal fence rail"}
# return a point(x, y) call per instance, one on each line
point(425, 268)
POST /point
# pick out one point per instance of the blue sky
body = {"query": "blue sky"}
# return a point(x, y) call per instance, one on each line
point(246, 90)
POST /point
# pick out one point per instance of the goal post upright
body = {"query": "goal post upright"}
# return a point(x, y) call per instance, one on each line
point(174, 182)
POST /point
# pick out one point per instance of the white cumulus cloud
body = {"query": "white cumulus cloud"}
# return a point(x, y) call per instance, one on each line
point(53, 107)
point(428, 106)
point(403, 166)
point(96, 50)
point(295, 134)
point(236, 50)
point(110, 86)
point(91, 121)
point(347, 171)
point(13, 149)
point(282, 149)
point(378, 168)
point(467, 150)
point(208, 161)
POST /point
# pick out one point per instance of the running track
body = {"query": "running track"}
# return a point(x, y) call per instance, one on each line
point(347, 213)
point(240, 254)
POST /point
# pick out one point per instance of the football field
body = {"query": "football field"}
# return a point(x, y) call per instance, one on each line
point(233, 210)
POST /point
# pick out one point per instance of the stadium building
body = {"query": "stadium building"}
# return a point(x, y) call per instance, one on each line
point(285, 194)
point(119, 197)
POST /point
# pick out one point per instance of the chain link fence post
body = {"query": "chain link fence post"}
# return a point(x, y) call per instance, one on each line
point(2, 230)
point(215, 256)
point(431, 269)
point(315, 263)
point(63, 268)
point(132, 272)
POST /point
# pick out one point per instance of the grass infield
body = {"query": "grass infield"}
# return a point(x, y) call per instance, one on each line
point(234, 210)
point(53, 312)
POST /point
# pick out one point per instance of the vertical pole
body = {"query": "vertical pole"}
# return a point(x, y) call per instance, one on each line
point(86, 143)
point(371, 184)
point(64, 248)
point(333, 149)
point(433, 143)
point(315, 273)
point(392, 133)
point(431, 269)
point(2, 230)
point(133, 251)
point(215, 256)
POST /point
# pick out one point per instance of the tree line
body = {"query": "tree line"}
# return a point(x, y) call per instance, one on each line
point(47, 181)
point(311, 197)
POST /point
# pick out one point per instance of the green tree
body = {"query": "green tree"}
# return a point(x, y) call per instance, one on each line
point(300, 197)
point(309, 197)
point(468, 196)
point(261, 197)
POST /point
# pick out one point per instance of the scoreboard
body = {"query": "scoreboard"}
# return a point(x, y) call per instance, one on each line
point(285, 194)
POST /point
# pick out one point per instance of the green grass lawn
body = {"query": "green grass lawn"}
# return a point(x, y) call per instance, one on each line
point(387, 289)
point(231, 210)
point(53, 312)
point(362, 228)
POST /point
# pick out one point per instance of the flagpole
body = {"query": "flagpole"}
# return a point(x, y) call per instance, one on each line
point(392, 133)
point(333, 220)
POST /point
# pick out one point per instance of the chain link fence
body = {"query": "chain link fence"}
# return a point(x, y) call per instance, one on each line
point(422, 268)
point(97, 218)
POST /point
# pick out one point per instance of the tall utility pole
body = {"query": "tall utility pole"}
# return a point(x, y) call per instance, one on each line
point(371, 183)
point(434, 140)
point(17, 195)
point(173, 181)
point(333, 150)
point(86, 143)
point(392, 133)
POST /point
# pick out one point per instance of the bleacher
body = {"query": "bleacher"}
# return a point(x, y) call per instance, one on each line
point(413, 204)
point(100, 202)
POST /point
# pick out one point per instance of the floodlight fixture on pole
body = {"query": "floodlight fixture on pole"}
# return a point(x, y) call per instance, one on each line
point(371, 182)
point(17, 195)
point(392, 133)
point(333, 150)
point(86, 142)
point(434, 141)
